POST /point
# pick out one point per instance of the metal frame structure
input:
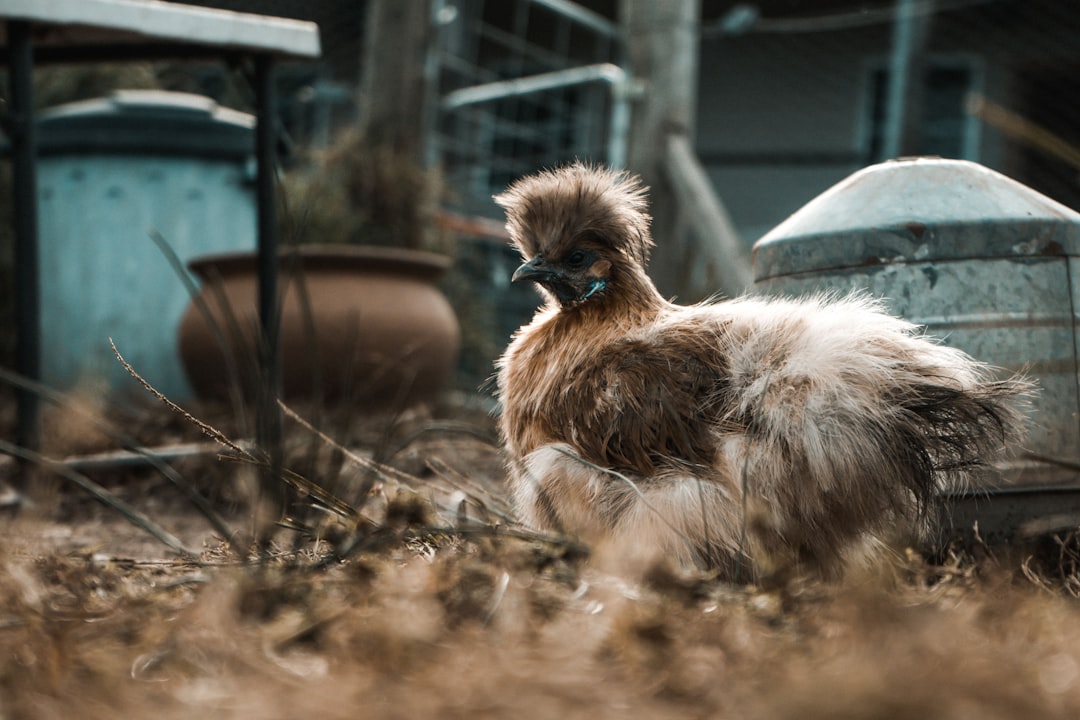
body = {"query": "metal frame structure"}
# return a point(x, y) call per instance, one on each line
point(525, 84)
point(613, 75)
point(98, 30)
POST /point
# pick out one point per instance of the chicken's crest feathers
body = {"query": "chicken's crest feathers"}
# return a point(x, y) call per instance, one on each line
point(549, 211)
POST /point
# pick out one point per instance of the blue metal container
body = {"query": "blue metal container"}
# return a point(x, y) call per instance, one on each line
point(111, 171)
point(985, 263)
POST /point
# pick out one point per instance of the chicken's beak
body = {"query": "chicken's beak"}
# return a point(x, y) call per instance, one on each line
point(536, 270)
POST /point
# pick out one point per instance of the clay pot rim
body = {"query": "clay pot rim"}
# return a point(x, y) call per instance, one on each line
point(362, 258)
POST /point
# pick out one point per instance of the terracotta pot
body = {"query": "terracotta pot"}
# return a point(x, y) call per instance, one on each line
point(366, 325)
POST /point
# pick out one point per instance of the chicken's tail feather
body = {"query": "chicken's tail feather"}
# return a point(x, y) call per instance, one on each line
point(957, 431)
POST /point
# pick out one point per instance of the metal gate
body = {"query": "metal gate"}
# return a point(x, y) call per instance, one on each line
point(524, 84)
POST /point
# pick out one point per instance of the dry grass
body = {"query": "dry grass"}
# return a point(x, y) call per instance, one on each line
point(427, 602)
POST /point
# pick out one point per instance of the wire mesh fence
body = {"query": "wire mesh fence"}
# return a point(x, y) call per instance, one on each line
point(486, 140)
point(793, 96)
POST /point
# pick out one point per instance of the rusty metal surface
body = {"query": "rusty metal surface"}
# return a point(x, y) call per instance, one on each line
point(984, 263)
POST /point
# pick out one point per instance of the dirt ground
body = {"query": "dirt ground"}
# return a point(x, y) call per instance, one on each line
point(430, 604)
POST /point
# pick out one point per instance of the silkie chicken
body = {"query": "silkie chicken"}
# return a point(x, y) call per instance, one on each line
point(749, 433)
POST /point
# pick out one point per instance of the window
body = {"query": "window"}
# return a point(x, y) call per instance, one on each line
point(944, 128)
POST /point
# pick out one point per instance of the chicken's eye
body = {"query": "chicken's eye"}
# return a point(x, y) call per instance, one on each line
point(576, 259)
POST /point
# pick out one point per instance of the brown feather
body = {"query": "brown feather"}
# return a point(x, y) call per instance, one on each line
point(558, 207)
point(629, 418)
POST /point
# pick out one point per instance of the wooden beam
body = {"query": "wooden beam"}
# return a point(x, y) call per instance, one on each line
point(662, 54)
point(394, 86)
point(726, 265)
point(662, 45)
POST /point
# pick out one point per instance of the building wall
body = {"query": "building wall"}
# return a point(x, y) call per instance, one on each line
point(778, 122)
point(784, 115)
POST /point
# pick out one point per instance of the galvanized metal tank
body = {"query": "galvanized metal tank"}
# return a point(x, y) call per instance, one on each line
point(984, 262)
point(112, 169)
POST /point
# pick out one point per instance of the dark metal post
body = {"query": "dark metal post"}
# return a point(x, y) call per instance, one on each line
point(903, 109)
point(268, 422)
point(27, 284)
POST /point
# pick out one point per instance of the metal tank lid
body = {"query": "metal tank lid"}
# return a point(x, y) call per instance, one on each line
point(155, 122)
point(917, 210)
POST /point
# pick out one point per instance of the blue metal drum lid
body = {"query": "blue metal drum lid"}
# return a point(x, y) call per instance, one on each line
point(917, 210)
point(154, 122)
